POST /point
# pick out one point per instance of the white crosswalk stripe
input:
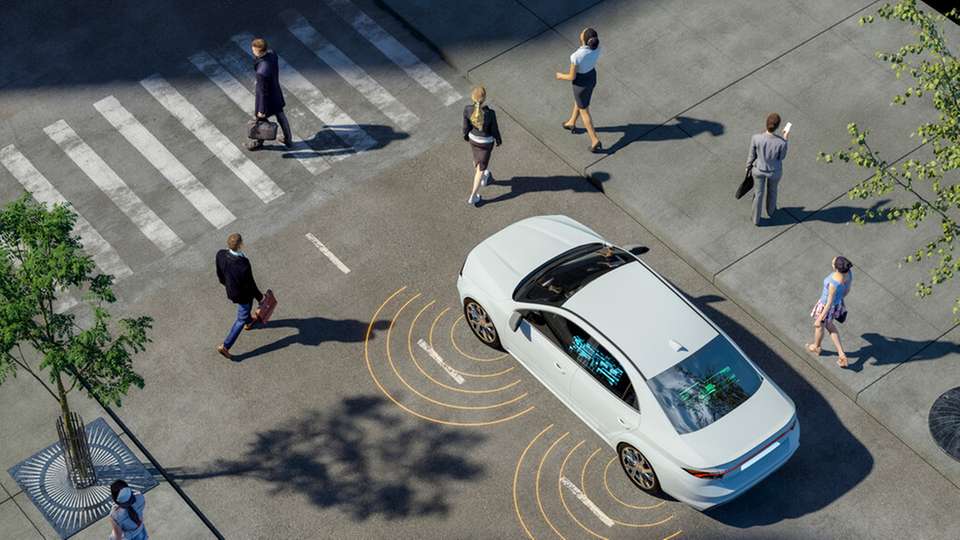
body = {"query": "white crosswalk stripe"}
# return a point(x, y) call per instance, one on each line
point(212, 138)
point(322, 107)
point(169, 166)
point(43, 191)
point(113, 186)
point(351, 72)
point(395, 51)
point(244, 99)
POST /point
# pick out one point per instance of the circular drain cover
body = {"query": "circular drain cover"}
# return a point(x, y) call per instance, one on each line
point(945, 422)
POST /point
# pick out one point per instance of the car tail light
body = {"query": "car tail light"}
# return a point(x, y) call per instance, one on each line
point(706, 475)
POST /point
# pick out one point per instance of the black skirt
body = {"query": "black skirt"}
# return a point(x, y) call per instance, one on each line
point(481, 154)
point(583, 85)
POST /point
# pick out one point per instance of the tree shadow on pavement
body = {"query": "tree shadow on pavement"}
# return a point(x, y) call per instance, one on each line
point(689, 127)
point(829, 462)
point(362, 457)
point(884, 350)
point(830, 214)
point(520, 185)
point(313, 331)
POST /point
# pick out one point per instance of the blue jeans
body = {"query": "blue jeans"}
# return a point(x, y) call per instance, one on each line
point(243, 317)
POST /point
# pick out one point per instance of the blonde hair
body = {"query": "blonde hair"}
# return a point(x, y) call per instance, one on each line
point(478, 95)
point(259, 44)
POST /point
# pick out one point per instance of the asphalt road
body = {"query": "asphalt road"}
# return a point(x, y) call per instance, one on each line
point(332, 422)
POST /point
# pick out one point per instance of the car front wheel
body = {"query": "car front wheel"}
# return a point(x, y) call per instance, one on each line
point(480, 324)
point(638, 469)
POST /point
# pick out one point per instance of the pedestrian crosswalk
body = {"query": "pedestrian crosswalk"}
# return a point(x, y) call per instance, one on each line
point(225, 73)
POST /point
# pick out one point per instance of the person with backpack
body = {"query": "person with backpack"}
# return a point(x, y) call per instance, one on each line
point(126, 516)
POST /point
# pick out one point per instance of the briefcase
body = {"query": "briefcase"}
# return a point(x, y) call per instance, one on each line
point(262, 129)
point(266, 306)
point(745, 186)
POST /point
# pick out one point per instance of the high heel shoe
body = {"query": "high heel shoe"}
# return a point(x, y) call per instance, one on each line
point(597, 148)
point(571, 129)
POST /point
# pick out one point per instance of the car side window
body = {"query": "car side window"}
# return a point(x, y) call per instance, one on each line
point(586, 352)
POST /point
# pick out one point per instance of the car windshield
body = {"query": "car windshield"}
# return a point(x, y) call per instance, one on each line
point(705, 386)
point(558, 280)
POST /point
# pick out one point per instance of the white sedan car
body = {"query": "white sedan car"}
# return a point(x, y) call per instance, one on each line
point(687, 412)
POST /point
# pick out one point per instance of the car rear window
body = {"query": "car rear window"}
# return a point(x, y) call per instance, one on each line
point(558, 280)
point(705, 386)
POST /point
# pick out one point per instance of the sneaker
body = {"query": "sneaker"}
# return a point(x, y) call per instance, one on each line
point(224, 352)
point(486, 178)
point(475, 200)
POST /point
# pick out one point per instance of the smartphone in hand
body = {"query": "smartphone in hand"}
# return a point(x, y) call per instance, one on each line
point(786, 128)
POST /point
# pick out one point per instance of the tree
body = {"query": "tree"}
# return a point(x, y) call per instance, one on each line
point(935, 74)
point(42, 260)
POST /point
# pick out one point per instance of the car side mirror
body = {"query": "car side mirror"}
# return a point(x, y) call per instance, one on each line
point(636, 249)
point(515, 319)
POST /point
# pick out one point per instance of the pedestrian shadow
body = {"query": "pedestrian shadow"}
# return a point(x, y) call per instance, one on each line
point(886, 350)
point(831, 214)
point(326, 142)
point(520, 185)
point(360, 456)
point(830, 461)
point(688, 127)
point(312, 332)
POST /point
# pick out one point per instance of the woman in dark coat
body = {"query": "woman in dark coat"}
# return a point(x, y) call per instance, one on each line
point(481, 131)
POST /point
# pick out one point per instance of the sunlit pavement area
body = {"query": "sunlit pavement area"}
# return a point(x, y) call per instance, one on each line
point(334, 421)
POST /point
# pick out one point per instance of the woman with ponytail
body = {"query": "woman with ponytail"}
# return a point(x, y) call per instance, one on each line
point(583, 74)
point(481, 131)
point(127, 513)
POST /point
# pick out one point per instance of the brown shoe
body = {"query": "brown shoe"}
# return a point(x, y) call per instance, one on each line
point(224, 352)
point(253, 146)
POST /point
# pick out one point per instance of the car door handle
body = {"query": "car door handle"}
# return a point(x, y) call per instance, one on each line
point(624, 423)
point(558, 366)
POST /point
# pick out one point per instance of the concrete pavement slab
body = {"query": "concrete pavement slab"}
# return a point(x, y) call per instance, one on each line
point(14, 523)
point(780, 282)
point(523, 81)
point(902, 399)
point(471, 32)
point(556, 11)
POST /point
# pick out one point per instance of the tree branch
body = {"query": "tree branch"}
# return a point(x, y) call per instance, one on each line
point(25, 365)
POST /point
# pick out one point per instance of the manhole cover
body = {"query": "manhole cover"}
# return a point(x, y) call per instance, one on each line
point(945, 422)
point(43, 478)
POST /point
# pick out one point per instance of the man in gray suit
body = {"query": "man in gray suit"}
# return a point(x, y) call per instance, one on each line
point(767, 151)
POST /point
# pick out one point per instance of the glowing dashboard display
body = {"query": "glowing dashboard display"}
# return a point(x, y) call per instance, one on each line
point(598, 363)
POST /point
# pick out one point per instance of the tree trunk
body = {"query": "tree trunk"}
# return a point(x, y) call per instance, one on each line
point(76, 452)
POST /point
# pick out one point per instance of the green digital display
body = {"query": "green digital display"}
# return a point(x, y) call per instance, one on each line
point(703, 391)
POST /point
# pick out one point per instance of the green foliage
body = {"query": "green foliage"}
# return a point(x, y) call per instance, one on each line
point(40, 259)
point(934, 73)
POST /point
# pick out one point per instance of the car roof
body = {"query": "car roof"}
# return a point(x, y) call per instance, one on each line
point(529, 243)
point(636, 310)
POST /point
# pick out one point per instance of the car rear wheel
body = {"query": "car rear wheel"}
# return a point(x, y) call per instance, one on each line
point(638, 469)
point(480, 324)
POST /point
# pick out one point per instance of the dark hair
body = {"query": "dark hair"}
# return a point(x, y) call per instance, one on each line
point(773, 121)
point(590, 38)
point(115, 488)
point(842, 264)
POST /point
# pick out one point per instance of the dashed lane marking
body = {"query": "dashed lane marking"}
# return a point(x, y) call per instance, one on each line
point(460, 371)
point(212, 138)
point(113, 186)
point(563, 500)
point(42, 190)
point(582, 497)
point(243, 98)
point(395, 51)
point(351, 72)
point(439, 360)
point(322, 107)
point(329, 254)
point(543, 460)
point(164, 161)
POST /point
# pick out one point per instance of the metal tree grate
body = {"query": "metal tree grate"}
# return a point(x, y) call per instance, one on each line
point(76, 452)
point(944, 422)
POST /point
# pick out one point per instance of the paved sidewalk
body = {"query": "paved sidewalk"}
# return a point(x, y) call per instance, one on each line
point(683, 85)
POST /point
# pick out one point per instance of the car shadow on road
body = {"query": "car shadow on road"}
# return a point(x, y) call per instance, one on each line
point(883, 350)
point(363, 457)
point(311, 332)
point(830, 461)
point(520, 185)
point(689, 127)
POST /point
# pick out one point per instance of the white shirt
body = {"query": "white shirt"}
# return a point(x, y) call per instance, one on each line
point(585, 58)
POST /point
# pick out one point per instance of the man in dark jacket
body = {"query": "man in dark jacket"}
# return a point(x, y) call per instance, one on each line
point(235, 273)
point(269, 95)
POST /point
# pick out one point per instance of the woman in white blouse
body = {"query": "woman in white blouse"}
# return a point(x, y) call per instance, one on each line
point(583, 74)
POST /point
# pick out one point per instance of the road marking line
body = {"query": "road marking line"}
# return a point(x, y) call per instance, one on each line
point(113, 186)
point(212, 138)
point(164, 161)
point(42, 190)
point(346, 68)
point(674, 535)
point(439, 360)
point(582, 497)
point(395, 51)
point(329, 254)
point(322, 107)
point(245, 100)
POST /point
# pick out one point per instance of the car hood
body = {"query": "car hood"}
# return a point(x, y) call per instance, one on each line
point(757, 420)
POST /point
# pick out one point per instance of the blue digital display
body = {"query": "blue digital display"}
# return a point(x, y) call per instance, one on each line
point(596, 361)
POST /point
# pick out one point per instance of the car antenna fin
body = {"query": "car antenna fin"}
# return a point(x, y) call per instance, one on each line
point(677, 347)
